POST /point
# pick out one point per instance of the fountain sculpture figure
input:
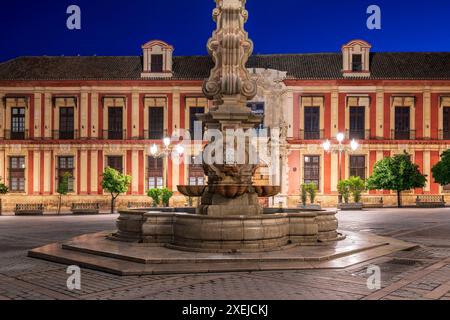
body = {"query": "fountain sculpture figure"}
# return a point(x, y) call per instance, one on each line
point(230, 87)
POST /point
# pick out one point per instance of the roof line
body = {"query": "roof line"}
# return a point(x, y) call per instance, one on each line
point(207, 56)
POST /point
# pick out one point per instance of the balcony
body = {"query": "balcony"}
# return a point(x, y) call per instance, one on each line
point(15, 135)
point(65, 135)
point(154, 134)
point(311, 135)
point(444, 134)
point(358, 134)
point(403, 134)
point(114, 135)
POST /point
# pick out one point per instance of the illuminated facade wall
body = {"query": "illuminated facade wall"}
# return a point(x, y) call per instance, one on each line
point(48, 127)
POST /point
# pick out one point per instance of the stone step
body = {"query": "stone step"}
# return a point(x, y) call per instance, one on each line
point(287, 255)
point(121, 267)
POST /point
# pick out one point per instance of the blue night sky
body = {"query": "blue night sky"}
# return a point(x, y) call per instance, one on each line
point(276, 26)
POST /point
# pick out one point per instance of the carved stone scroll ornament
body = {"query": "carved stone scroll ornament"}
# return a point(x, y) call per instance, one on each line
point(230, 48)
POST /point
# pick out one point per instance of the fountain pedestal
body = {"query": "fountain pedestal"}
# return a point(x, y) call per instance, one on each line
point(216, 205)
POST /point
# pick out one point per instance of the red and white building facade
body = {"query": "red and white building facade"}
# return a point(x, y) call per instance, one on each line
point(82, 114)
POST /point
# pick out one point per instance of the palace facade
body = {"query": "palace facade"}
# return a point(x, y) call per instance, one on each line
point(78, 115)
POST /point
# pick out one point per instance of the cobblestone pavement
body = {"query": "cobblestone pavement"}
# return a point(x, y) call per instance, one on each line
point(422, 273)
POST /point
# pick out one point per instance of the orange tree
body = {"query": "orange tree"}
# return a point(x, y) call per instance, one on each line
point(396, 173)
point(441, 171)
point(115, 183)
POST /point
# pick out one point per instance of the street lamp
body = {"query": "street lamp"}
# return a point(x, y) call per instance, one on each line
point(340, 149)
point(165, 153)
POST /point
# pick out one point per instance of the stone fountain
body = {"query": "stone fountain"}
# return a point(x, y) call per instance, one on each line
point(229, 217)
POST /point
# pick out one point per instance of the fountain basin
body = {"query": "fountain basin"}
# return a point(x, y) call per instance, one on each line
point(267, 191)
point(191, 191)
point(327, 224)
point(237, 233)
point(303, 227)
point(229, 190)
point(231, 233)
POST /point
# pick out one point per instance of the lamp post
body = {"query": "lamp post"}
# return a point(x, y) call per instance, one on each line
point(340, 149)
point(165, 153)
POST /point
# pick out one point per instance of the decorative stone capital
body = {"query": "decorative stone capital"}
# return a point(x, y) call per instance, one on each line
point(230, 48)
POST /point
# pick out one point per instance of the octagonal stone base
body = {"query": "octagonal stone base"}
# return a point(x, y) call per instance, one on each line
point(239, 233)
point(144, 227)
point(231, 233)
point(94, 251)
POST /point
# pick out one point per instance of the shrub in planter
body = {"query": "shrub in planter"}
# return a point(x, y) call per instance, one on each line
point(166, 195)
point(356, 188)
point(304, 194)
point(312, 191)
point(155, 194)
point(3, 190)
point(344, 190)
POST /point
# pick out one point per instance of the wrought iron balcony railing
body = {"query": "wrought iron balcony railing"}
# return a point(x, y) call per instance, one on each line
point(403, 134)
point(15, 135)
point(444, 134)
point(114, 135)
point(311, 135)
point(65, 135)
point(359, 134)
point(154, 134)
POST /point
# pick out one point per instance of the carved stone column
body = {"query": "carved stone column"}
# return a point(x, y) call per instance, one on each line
point(230, 86)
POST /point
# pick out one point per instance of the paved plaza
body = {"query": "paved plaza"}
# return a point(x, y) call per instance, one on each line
point(421, 273)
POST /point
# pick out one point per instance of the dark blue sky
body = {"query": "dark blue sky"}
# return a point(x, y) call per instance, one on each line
point(276, 26)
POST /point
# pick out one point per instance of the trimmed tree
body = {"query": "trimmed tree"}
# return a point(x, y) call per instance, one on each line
point(115, 183)
point(166, 195)
point(344, 190)
point(396, 173)
point(63, 188)
point(3, 190)
point(304, 193)
point(312, 192)
point(441, 171)
point(357, 187)
point(155, 194)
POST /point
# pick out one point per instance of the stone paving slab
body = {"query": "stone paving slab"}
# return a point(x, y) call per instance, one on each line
point(96, 252)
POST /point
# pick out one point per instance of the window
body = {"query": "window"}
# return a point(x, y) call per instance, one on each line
point(17, 174)
point(358, 166)
point(196, 174)
point(447, 188)
point(446, 124)
point(312, 170)
point(66, 166)
point(402, 123)
point(312, 123)
point(115, 162)
point(258, 108)
point(18, 123)
point(115, 123)
point(66, 123)
point(155, 173)
point(357, 123)
point(156, 63)
point(156, 123)
point(357, 62)
point(192, 119)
